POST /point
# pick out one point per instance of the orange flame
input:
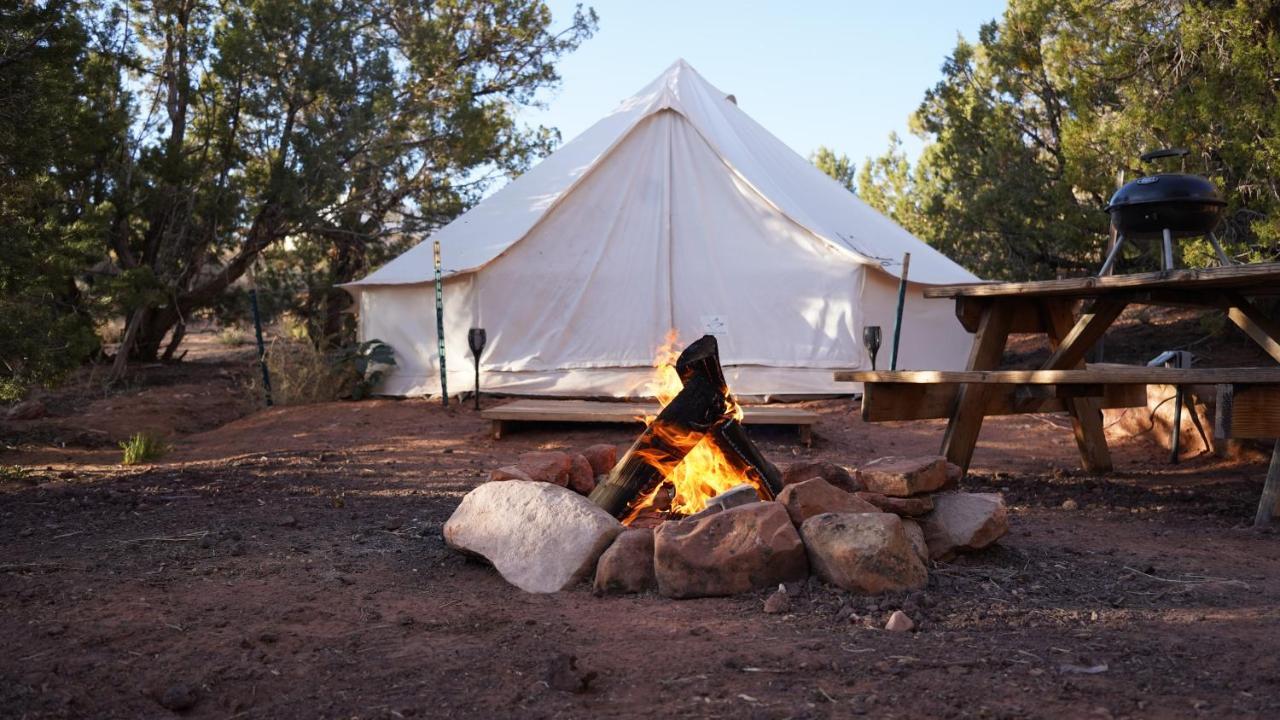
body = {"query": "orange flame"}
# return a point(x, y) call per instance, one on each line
point(705, 471)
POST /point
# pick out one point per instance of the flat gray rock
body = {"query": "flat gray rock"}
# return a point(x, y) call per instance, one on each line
point(541, 537)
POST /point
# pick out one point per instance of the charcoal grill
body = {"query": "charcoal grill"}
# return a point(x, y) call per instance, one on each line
point(1165, 206)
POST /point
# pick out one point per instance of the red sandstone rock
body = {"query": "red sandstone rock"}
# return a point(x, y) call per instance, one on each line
point(904, 477)
point(906, 507)
point(808, 469)
point(546, 466)
point(509, 473)
point(816, 496)
point(964, 521)
point(627, 566)
point(602, 458)
point(581, 479)
point(863, 552)
point(733, 551)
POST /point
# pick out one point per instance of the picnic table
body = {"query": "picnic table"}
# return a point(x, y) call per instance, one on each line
point(1248, 399)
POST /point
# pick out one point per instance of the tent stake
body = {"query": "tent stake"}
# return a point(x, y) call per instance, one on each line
point(902, 299)
point(262, 348)
point(444, 384)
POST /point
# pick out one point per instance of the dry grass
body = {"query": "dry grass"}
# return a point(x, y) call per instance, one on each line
point(300, 374)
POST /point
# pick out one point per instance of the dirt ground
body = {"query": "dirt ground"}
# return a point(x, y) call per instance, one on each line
point(289, 564)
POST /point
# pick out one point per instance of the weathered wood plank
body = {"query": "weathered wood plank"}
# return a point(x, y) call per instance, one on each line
point(1247, 412)
point(530, 410)
point(1070, 344)
point(1270, 500)
point(1258, 278)
point(1264, 330)
point(1095, 374)
point(1026, 316)
point(966, 419)
point(888, 402)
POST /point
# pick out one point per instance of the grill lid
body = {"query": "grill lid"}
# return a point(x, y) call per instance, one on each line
point(1175, 188)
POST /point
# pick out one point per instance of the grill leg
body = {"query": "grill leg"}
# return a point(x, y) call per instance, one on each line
point(1168, 249)
point(1110, 262)
point(1217, 248)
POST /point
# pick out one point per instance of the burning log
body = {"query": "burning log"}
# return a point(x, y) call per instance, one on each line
point(677, 429)
point(731, 438)
point(703, 411)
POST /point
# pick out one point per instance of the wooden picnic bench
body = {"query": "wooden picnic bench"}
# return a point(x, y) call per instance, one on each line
point(1248, 398)
point(596, 411)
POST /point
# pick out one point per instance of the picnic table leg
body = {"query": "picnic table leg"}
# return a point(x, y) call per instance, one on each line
point(1086, 413)
point(1263, 330)
point(1267, 504)
point(971, 403)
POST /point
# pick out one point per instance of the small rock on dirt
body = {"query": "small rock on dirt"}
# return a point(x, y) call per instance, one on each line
point(627, 566)
point(602, 458)
point(288, 521)
point(904, 507)
point(899, 622)
point(542, 538)
point(904, 476)
point(1070, 504)
point(863, 552)
point(778, 601)
point(799, 472)
point(179, 697)
point(816, 496)
point(733, 551)
point(393, 523)
point(563, 674)
point(964, 521)
point(581, 479)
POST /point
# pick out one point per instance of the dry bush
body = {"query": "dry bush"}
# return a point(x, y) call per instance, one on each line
point(300, 374)
point(232, 336)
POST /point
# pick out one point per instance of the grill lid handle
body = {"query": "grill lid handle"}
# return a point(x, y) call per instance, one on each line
point(1164, 153)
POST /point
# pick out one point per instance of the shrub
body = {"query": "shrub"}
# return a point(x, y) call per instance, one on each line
point(232, 336)
point(142, 447)
point(302, 374)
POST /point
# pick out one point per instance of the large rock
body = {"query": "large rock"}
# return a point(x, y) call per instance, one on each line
point(733, 551)
point(904, 477)
point(551, 466)
point(541, 537)
point(915, 534)
point(817, 496)
point(581, 479)
point(964, 521)
point(627, 566)
point(863, 552)
point(906, 507)
point(602, 458)
point(798, 472)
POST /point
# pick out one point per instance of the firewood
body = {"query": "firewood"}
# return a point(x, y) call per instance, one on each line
point(702, 357)
point(731, 438)
point(679, 426)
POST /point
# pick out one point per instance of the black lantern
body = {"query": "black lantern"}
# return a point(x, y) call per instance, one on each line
point(476, 338)
point(871, 337)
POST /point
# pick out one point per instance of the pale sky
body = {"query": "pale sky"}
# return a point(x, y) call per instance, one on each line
point(841, 74)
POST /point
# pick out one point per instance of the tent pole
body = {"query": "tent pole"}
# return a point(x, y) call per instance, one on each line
point(902, 299)
point(444, 384)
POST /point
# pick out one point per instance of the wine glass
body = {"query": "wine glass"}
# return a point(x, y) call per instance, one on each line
point(871, 337)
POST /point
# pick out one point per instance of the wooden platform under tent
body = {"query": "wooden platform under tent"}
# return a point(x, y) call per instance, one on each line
point(531, 410)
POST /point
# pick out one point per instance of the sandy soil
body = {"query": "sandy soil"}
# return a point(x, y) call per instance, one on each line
point(290, 564)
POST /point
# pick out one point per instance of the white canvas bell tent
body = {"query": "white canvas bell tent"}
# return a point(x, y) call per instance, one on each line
point(677, 211)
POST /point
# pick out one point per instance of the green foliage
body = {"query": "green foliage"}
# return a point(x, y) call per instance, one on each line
point(142, 447)
point(837, 167)
point(152, 150)
point(1033, 126)
point(364, 365)
point(48, 237)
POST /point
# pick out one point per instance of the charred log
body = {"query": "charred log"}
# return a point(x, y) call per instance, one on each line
point(698, 407)
point(702, 358)
point(731, 438)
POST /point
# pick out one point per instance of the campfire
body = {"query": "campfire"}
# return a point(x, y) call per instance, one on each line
point(694, 449)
